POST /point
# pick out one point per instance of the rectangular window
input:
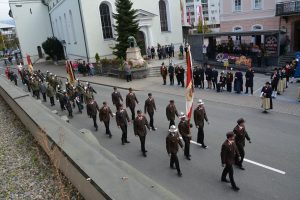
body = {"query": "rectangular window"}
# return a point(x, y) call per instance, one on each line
point(237, 5)
point(257, 4)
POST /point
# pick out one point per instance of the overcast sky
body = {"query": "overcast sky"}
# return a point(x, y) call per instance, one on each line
point(4, 8)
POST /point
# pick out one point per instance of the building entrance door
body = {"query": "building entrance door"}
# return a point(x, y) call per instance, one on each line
point(296, 36)
point(141, 39)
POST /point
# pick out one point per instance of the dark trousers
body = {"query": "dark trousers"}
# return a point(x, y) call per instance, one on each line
point(178, 79)
point(200, 136)
point(143, 140)
point(172, 122)
point(228, 170)
point(62, 106)
point(124, 133)
point(70, 111)
point(80, 106)
point(151, 120)
point(174, 160)
point(132, 113)
point(37, 94)
point(181, 81)
point(171, 79)
point(202, 83)
point(229, 87)
point(52, 101)
point(128, 78)
point(251, 88)
point(44, 97)
point(165, 80)
point(95, 121)
point(187, 142)
point(214, 84)
point(242, 154)
point(106, 124)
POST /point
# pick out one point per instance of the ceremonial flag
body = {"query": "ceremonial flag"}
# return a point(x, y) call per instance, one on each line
point(189, 84)
point(69, 70)
point(29, 63)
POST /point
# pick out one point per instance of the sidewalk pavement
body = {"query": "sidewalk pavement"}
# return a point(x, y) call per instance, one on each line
point(286, 103)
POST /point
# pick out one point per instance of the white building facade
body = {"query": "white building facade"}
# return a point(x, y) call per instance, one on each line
point(210, 12)
point(85, 27)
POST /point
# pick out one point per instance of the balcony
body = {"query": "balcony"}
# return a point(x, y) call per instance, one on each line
point(288, 8)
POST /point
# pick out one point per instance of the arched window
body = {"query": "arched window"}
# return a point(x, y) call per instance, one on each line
point(106, 21)
point(257, 27)
point(237, 29)
point(163, 16)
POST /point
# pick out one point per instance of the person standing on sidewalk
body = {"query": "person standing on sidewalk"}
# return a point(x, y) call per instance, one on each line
point(215, 75)
point(140, 124)
point(92, 111)
point(122, 119)
point(50, 94)
point(116, 98)
point(199, 117)
point(171, 111)
point(240, 136)
point(208, 74)
point(249, 80)
point(266, 95)
point(104, 116)
point(181, 72)
point(172, 142)
point(229, 80)
point(184, 128)
point(229, 152)
point(163, 73)
point(171, 71)
point(131, 101)
point(150, 107)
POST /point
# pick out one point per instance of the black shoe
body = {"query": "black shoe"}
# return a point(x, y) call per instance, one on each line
point(179, 174)
point(154, 129)
point(172, 167)
point(127, 141)
point(188, 158)
point(144, 154)
point(241, 168)
point(110, 135)
point(204, 146)
point(96, 128)
point(225, 180)
point(236, 188)
point(123, 143)
point(146, 151)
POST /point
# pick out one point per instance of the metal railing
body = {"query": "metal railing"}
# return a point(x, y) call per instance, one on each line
point(288, 8)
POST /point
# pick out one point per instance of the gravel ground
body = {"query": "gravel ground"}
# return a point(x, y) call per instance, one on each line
point(25, 170)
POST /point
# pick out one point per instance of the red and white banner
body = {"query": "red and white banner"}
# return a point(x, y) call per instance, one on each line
point(29, 63)
point(189, 96)
point(69, 70)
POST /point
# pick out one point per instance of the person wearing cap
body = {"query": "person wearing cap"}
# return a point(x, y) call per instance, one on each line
point(60, 97)
point(50, 94)
point(172, 143)
point(249, 80)
point(116, 98)
point(43, 90)
point(140, 124)
point(131, 101)
point(229, 152)
point(184, 128)
point(68, 104)
point(229, 80)
point(164, 73)
point(171, 111)
point(92, 109)
point(240, 136)
point(104, 116)
point(91, 89)
point(266, 95)
point(122, 119)
point(199, 117)
point(77, 99)
point(150, 107)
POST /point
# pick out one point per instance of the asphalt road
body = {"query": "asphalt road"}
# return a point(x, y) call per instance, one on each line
point(275, 143)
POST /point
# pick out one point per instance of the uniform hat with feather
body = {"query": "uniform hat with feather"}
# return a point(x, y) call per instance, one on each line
point(182, 115)
point(173, 129)
point(200, 102)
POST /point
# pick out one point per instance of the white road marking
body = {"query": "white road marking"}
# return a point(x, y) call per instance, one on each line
point(252, 162)
point(259, 89)
point(265, 166)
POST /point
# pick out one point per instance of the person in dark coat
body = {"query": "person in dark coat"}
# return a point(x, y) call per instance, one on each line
point(131, 101)
point(171, 71)
point(196, 77)
point(240, 136)
point(164, 72)
point(215, 75)
point(122, 120)
point(50, 94)
point(181, 72)
point(229, 80)
point(104, 116)
point(176, 74)
point(116, 98)
point(208, 74)
point(152, 52)
point(229, 152)
point(222, 82)
point(43, 90)
point(150, 107)
point(68, 104)
point(60, 97)
point(184, 128)
point(201, 76)
point(92, 111)
point(266, 92)
point(249, 80)
point(140, 124)
point(172, 143)
point(238, 82)
point(199, 117)
point(274, 82)
point(171, 111)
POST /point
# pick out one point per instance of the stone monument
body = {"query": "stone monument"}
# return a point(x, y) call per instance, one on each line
point(133, 53)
